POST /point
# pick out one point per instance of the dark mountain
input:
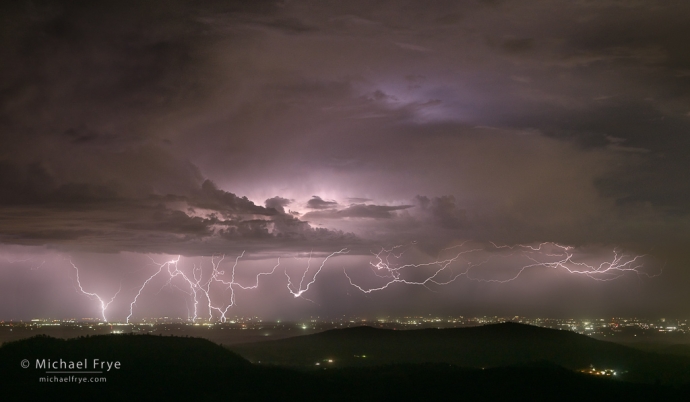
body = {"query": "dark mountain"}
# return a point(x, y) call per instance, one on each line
point(497, 345)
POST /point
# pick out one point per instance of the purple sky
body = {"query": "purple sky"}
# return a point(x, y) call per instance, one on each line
point(133, 131)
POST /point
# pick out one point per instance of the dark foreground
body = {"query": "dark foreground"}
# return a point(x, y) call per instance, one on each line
point(494, 345)
point(168, 368)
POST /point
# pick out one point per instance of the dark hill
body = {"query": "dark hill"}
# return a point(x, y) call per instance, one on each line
point(134, 352)
point(188, 369)
point(148, 364)
point(497, 345)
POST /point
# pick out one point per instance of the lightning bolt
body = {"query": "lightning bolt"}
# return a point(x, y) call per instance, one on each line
point(393, 272)
point(104, 305)
point(200, 288)
point(212, 290)
point(302, 288)
point(146, 282)
point(619, 265)
point(546, 255)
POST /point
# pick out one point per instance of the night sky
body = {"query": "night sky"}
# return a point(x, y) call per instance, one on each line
point(135, 132)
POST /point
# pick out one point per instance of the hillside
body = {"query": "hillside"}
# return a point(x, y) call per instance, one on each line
point(147, 364)
point(184, 369)
point(497, 345)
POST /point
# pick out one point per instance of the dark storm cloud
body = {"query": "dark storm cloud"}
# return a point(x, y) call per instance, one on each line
point(38, 209)
point(146, 226)
point(34, 185)
point(82, 87)
point(210, 197)
point(176, 222)
point(525, 121)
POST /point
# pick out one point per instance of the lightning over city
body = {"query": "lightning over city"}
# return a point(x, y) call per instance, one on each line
point(301, 288)
point(264, 171)
point(544, 255)
point(197, 288)
point(436, 164)
point(210, 284)
point(103, 303)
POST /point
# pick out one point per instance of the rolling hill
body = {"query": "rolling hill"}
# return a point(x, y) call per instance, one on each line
point(497, 345)
point(171, 368)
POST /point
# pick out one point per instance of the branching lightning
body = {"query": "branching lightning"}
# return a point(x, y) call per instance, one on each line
point(384, 268)
point(303, 288)
point(200, 288)
point(104, 305)
point(212, 290)
point(546, 255)
point(619, 265)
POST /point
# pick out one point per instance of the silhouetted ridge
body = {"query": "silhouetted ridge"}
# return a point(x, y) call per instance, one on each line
point(360, 331)
point(495, 345)
point(132, 350)
point(185, 369)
